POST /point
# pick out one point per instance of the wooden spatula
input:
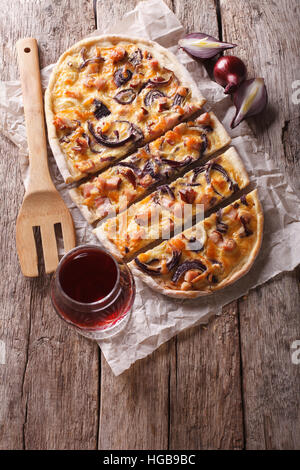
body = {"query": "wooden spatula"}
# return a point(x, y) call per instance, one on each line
point(42, 205)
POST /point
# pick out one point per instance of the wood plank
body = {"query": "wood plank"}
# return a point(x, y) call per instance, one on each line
point(269, 317)
point(206, 404)
point(134, 406)
point(204, 414)
point(175, 407)
point(49, 384)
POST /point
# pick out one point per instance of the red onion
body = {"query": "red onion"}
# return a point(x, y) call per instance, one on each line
point(203, 46)
point(229, 71)
point(250, 99)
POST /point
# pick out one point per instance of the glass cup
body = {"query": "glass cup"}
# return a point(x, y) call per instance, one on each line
point(92, 292)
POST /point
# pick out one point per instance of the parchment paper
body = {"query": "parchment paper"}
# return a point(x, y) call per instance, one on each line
point(156, 318)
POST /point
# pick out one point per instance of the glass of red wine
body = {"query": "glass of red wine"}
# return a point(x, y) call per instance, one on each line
point(92, 292)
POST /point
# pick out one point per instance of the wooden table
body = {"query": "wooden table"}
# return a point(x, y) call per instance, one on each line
point(230, 385)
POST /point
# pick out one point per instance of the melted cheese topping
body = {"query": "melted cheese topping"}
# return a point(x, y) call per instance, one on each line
point(224, 252)
point(170, 207)
point(99, 74)
point(121, 185)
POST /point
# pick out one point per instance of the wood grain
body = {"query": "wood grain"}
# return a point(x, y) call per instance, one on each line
point(49, 384)
point(229, 386)
point(269, 317)
point(175, 407)
point(205, 391)
point(208, 362)
point(134, 406)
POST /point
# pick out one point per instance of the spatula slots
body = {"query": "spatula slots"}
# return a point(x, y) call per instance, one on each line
point(42, 205)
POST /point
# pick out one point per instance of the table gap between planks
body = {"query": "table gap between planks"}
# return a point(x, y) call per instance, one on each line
point(229, 385)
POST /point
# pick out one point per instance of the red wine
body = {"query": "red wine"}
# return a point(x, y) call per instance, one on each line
point(88, 276)
point(91, 290)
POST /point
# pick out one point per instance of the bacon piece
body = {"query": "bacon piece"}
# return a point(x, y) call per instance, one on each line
point(89, 82)
point(86, 190)
point(62, 123)
point(135, 83)
point(129, 175)
point(92, 68)
point(74, 94)
point(113, 183)
point(100, 83)
point(141, 114)
point(204, 119)
point(99, 201)
point(186, 286)
point(229, 244)
point(117, 54)
point(232, 214)
point(216, 237)
point(193, 143)
point(188, 195)
point(146, 181)
point(177, 209)
point(82, 145)
point(154, 64)
point(182, 91)
point(162, 103)
point(190, 275)
point(85, 167)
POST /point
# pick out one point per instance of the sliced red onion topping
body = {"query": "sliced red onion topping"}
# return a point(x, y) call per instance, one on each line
point(147, 269)
point(122, 76)
point(100, 110)
point(92, 60)
point(104, 140)
point(221, 226)
point(153, 95)
point(160, 80)
point(174, 261)
point(91, 144)
point(136, 57)
point(203, 46)
point(165, 189)
point(125, 96)
point(171, 264)
point(250, 98)
point(178, 100)
point(176, 163)
point(151, 169)
point(136, 132)
point(195, 245)
point(129, 175)
point(244, 200)
point(130, 165)
point(187, 266)
point(247, 231)
point(214, 166)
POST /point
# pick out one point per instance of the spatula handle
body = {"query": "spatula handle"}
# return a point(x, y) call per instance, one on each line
point(34, 113)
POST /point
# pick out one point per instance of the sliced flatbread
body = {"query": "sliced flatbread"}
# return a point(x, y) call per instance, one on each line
point(207, 257)
point(108, 95)
point(171, 207)
point(119, 186)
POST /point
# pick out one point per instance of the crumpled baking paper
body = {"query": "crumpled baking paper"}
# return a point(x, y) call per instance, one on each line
point(156, 318)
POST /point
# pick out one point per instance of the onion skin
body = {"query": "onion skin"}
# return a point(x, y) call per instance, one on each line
point(249, 99)
point(230, 71)
point(203, 46)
